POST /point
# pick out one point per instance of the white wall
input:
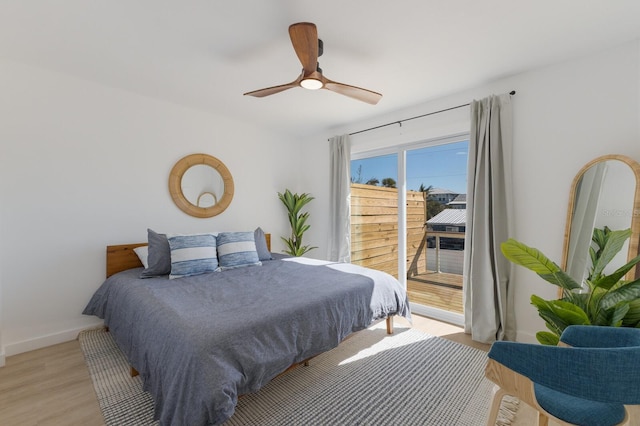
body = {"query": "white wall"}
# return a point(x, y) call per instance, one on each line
point(83, 166)
point(564, 116)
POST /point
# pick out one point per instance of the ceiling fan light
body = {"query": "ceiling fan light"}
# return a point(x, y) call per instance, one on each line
point(311, 83)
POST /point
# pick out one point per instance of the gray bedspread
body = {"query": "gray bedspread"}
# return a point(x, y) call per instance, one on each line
point(199, 342)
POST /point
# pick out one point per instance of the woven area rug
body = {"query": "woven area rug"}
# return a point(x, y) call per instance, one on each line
point(408, 378)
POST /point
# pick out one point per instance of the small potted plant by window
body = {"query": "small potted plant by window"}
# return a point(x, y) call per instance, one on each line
point(294, 204)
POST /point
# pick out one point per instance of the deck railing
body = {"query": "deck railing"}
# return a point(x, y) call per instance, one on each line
point(455, 260)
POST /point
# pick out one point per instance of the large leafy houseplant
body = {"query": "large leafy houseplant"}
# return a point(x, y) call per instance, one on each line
point(294, 204)
point(603, 299)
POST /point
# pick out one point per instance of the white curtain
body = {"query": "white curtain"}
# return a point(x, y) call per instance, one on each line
point(487, 276)
point(340, 200)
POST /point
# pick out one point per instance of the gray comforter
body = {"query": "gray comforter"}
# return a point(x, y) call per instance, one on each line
point(201, 341)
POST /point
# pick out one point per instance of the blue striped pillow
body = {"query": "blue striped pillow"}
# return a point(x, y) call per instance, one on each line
point(237, 249)
point(192, 254)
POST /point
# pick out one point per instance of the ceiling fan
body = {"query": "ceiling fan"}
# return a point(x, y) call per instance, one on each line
point(308, 47)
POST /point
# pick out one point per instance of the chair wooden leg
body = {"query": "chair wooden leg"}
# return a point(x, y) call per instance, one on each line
point(627, 415)
point(498, 394)
point(543, 420)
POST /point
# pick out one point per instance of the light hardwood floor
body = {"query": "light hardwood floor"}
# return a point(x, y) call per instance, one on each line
point(52, 386)
point(49, 386)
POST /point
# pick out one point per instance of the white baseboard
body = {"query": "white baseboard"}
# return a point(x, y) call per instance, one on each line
point(43, 341)
point(438, 314)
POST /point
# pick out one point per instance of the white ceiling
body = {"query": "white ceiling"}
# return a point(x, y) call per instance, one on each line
point(207, 53)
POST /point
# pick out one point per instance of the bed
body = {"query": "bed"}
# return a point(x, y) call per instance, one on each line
point(200, 342)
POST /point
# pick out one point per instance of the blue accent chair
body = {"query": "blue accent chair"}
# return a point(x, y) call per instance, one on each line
point(586, 380)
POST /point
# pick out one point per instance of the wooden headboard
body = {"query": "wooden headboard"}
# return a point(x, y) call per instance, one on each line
point(122, 257)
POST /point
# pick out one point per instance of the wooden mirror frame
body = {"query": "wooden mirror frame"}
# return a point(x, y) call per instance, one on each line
point(175, 185)
point(634, 239)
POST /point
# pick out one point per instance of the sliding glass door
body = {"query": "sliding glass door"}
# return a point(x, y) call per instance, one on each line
point(409, 219)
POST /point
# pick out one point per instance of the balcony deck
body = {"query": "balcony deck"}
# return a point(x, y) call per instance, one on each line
point(437, 289)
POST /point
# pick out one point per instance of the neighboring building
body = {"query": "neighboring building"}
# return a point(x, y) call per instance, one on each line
point(443, 196)
point(448, 220)
point(460, 202)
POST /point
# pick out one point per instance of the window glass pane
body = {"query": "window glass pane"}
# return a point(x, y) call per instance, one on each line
point(374, 213)
point(441, 166)
point(436, 220)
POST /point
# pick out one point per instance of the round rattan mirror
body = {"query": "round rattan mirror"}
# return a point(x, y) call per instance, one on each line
point(197, 177)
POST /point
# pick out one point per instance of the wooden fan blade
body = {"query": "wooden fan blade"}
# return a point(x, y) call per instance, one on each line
point(261, 93)
point(354, 92)
point(304, 37)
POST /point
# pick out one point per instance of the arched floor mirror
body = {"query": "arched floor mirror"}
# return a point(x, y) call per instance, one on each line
point(605, 192)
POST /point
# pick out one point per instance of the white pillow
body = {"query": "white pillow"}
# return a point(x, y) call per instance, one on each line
point(143, 255)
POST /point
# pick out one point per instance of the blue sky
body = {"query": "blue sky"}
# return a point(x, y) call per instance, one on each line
point(442, 166)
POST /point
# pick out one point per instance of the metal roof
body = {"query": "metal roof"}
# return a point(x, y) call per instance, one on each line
point(449, 217)
point(435, 191)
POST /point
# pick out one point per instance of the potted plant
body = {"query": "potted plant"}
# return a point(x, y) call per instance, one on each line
point(294, 204)
point(602, 299)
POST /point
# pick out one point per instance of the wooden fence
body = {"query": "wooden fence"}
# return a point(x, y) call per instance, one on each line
point(374, 229)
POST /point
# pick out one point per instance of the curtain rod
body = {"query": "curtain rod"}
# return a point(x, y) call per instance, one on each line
point(513, 92)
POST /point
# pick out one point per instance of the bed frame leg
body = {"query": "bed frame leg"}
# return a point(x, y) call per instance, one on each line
point(390, 325)
point(133, 372)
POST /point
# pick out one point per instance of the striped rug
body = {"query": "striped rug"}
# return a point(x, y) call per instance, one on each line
point(408, 378)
